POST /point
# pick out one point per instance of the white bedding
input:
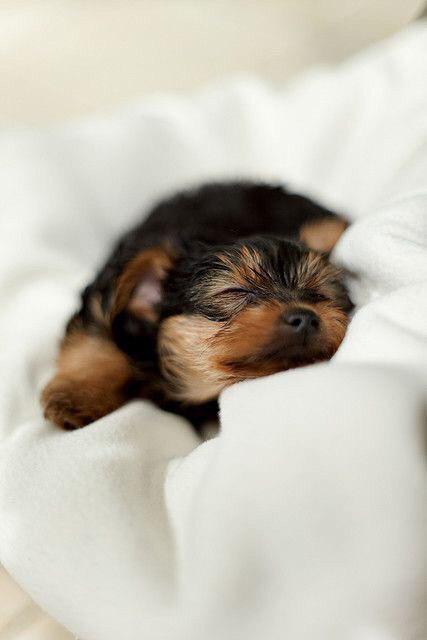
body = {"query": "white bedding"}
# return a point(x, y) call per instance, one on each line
point(306, 519)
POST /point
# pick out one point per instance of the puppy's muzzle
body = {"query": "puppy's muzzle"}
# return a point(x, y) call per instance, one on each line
point(301, 326)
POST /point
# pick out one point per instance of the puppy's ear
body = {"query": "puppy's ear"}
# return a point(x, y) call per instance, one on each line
point(322, 234)
point(139, 287)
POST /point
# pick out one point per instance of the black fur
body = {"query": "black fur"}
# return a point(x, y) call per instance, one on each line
point(196, 224)
point(215, 214)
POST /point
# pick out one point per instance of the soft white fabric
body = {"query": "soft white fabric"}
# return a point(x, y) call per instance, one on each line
point(307, 517)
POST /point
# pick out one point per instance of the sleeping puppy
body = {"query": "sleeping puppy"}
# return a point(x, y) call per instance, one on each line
point(218, 285)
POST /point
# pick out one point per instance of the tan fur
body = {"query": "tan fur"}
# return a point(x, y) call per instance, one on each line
point(250, 332)
point(245, 346)
point(158, 261)
point(200, 357)
point(90, 381)
point(322, 235)
point(186, 358)
point(333, 327)
point(102, 319)
point(247, 269)
point(237, 274)
point(316, 274)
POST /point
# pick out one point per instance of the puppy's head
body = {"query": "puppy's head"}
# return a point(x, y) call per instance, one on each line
point(249, 309)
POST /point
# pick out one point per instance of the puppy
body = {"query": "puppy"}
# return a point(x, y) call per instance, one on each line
point(221, 284)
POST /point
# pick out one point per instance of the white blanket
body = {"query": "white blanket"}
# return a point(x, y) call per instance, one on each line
point(306, 519)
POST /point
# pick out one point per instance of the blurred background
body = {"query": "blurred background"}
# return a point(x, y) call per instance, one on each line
point(62, 59)
point(65, 58)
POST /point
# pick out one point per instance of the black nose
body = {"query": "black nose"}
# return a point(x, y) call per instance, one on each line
point(302, 321)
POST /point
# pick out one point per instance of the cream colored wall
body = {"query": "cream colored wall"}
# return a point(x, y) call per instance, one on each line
point(62, 58)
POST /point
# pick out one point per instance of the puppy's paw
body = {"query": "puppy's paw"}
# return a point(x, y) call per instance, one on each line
point(72, 405)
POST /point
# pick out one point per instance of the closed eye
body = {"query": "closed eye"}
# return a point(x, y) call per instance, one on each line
point(313, 296)
point(237, 295)
point(230, 301)
point(238, 291)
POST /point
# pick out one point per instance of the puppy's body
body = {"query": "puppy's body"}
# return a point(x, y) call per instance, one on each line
point(216, 285)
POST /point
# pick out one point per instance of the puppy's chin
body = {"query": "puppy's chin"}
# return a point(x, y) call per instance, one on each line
point(200, 357)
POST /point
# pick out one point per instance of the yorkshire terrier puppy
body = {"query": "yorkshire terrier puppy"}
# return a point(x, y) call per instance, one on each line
point(226, 283)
